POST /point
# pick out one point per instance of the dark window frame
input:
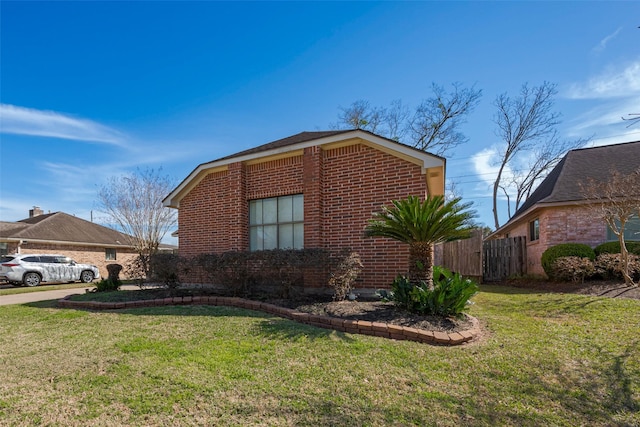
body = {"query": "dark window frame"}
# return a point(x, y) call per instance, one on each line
point(534, 230)
point(110, 254)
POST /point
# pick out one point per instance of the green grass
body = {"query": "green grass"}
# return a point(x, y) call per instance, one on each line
point(29, 289)
point(547, 359)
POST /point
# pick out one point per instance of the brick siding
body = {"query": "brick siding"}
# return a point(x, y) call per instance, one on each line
point(342, 188)
point(561, 224)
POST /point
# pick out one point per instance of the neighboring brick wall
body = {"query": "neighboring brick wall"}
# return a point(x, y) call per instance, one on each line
point(83, 255)
point(561, 224)
point(342, 188)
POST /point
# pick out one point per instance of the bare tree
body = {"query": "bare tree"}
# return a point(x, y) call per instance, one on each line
point(527, 126)
point(543, 158)
point(435, 125)
point(633, 118)
point(616, 200)
point(361, 115)
point(134, 203)
point(396, 117)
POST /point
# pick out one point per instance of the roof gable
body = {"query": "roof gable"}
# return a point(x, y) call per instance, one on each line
point(299, 142)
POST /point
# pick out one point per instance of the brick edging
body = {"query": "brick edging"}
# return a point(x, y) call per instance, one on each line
point(379, 329)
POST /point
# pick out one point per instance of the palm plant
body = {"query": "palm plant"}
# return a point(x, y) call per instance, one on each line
point(421, 224)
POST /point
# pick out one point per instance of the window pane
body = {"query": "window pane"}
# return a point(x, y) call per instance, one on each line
point(255, 212)
point(631, 230)
point(298, 236)
point(270, 211)
point(255, 240)
point(270, 237)
point(298, 207)
point(285, 236)
point(285, 209)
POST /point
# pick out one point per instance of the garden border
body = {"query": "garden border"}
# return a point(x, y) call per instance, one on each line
point(379, 329)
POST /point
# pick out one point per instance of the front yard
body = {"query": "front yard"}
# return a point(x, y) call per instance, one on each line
point(545, 359)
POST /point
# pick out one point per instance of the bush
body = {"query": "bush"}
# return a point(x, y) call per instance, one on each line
point(550, 256)
point(614, 248)
point(277, 271)
point(344, 275)
point(572, 268)
point(166, 268)
point(107, 285)
point(449, 297)
point(609, 266)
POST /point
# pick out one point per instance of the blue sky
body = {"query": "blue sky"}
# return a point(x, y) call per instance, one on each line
point(91, 90)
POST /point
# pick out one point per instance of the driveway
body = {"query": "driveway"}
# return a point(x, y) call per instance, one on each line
point(46, 295)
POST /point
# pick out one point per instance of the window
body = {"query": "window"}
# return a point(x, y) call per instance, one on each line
point(631, 230)
point(534, 230)
point(110, 254)
point(276, 223)
point(3, 248)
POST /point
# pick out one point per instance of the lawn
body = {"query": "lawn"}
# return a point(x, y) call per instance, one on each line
point(546, 359)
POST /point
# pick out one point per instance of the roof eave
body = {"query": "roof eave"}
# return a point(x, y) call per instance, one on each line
point(428, 160)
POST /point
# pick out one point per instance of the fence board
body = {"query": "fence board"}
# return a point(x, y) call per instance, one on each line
point(504, 258)
point(462, 256)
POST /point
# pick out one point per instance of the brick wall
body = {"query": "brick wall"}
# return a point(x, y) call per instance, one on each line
point(561, 224)
point(342, 188)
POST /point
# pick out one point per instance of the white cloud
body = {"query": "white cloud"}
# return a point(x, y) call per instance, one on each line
point(28, 121)
point(603, 43)
point(610, 84)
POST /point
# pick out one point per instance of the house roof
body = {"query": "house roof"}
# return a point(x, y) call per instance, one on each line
point(298, 142)
point(563, 184)
point(62, 227)
point(285, 142)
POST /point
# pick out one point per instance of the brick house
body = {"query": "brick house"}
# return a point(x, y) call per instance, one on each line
point(64, 234)
point(556, 212)
point(309, 190)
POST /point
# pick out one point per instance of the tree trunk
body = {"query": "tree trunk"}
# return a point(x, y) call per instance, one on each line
point(421, 263)
point(624, 260)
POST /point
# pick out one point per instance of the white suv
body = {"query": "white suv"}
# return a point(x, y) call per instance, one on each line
point(31, 269)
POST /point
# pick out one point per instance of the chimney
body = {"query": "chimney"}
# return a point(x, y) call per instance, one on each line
point(35, 211)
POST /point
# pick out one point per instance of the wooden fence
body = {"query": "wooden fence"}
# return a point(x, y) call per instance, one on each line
point(489, 261)
point(504, 258)
point(462, 256)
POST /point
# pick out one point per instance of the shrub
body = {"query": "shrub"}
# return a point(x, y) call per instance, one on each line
point(609, 266)
point(614, 248)
point(550, 256)
point(167, 268)
point(344, 275)
point(277, 271)
point(572, 268)
point(107, 285)
point(449, 297)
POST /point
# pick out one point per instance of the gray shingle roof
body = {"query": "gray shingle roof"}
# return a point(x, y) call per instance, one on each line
point(578, 166)
point(284, 142)
point(62, 227)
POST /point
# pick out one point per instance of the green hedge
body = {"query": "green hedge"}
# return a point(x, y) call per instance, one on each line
point(566, 249)
point(633, 247)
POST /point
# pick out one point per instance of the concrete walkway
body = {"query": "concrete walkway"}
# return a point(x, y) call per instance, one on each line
point(46, 295)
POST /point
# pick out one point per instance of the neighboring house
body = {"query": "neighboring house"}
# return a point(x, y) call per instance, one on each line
point(310, 190)
point(64, 234)
point(556, 212)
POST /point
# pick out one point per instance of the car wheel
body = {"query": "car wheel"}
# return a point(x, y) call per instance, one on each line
point(86, 276)
point(31, 279)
